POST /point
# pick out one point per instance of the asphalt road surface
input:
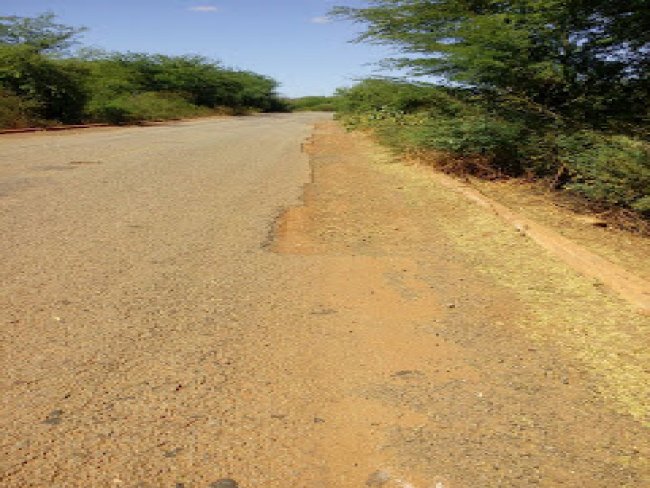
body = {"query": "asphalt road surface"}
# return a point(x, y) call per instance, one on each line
point(129, 258)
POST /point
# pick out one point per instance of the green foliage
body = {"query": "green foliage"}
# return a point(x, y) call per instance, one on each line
point(16, 112)
point(255, 91)
point(198, 80)
point(313, 104)
point(41, 33)
point(541, 87)
point(115, 87)
point(377, 94)
point(575, 58)
point(426, 117)
point(142, 107)
point(55, 86)
point(610, 169)
point(477, 136)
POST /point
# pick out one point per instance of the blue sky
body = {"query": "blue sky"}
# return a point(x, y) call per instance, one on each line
point(289, 40)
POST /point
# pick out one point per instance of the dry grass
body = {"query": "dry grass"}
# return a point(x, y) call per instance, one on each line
point(564, 308)
point(628, 247)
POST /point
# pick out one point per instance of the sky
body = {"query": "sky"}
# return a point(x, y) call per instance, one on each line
point(293, 41)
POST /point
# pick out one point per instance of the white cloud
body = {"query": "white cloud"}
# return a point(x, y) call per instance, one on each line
point(204, 8)
point(320, 20)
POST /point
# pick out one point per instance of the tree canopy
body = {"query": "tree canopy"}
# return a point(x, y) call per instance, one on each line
point(554, 89)
point(577, 58)
point(42, 81)
point(42, 32)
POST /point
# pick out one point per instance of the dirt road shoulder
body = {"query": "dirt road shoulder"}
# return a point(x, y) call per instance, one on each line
point(479, 359)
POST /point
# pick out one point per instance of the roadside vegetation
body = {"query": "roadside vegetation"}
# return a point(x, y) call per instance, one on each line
point(542, 89)
point(42, 82)
point(313, 104)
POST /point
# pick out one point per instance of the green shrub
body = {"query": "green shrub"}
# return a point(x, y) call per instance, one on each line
point(55, 86)
point(16, 112)
point(424, 117)
point(608, 168)
point(477, 136)
point(313, 104)
point(373, 95)
point(501, 136)
point(201, 81)
point(143, 107)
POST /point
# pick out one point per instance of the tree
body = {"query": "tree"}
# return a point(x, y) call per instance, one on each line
point(40, 81)
point(41, 33)
point(55, 86)
point(572, 58)
point(28, 70)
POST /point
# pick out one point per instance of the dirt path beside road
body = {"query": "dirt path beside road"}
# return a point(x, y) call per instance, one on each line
point(475, 357)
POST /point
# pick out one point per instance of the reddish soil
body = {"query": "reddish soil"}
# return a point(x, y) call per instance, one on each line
point(431, 379)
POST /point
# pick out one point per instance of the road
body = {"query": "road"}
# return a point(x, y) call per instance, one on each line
point(194, 305)
point(129, 258)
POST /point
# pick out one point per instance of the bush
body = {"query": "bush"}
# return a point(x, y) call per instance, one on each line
point(42, 83)
point(484, 137)
point(16, 112)
point(200, 81)
point(424, 117)
point(142, 107)
point(313, 104)
point(608, 168)
point(55, 87)
point(501, 137)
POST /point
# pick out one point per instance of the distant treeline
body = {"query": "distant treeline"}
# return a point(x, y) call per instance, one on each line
point(313, 104)
point(41, 83)
point(536, 88)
